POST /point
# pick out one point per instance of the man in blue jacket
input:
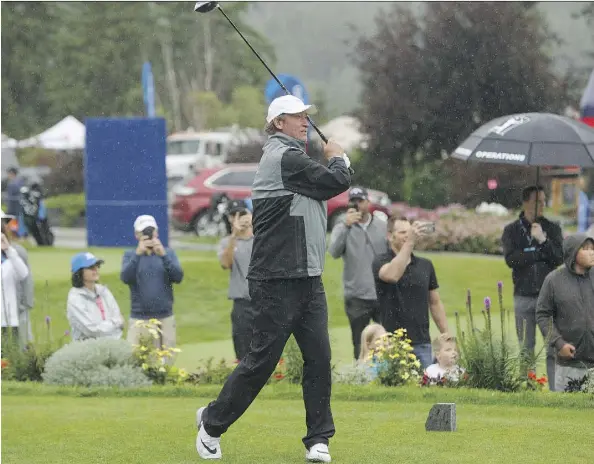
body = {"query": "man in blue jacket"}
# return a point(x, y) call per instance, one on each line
point(150, 271)
point(289, 195)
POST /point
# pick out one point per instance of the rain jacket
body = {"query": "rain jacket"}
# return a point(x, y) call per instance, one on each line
point(289, 196)
point(530, 261)
point(565, 307)
point(85, 317)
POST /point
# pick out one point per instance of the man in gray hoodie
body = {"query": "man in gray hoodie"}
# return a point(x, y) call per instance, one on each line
point(565, 310)
point(358, 240)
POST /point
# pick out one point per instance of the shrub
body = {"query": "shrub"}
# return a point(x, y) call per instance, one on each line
point(27, 364)
point(293, 361)
point(394, 360)
point(71, 207)
point(210, 373)
point(356, 374)
point(588, 386)
point(97, 362)
point(489, 362)
point(156, 363)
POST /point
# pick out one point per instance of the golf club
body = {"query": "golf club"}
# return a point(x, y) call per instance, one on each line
point(205, 7)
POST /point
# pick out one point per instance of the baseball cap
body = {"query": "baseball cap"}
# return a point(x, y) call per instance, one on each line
point(359, 193)
point(235, 206)
point(288, 104)
point(6, 216)
point(144, 221)
point(84, 260)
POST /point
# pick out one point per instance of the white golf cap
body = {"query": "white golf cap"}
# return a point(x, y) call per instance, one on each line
point(6, 216)
point(288, 104)
point(144, 221)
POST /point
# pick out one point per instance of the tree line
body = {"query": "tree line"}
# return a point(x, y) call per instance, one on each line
point(86, 58)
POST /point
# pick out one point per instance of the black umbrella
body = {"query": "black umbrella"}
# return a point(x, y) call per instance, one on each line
point(530, 139)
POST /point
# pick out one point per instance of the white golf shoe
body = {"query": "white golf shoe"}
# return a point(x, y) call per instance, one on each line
point(208, 447)
point(318, 453)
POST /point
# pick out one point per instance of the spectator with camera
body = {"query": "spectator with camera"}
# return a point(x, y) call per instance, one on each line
point(358, 240)
point(407, 287)
point(234, 254)
point(150, 271)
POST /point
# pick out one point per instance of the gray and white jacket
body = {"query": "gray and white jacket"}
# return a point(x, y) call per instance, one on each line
point(289, 196)
point(85, 316)
point(358, 247)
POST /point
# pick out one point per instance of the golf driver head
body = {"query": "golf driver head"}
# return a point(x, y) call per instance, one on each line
point(205, 7)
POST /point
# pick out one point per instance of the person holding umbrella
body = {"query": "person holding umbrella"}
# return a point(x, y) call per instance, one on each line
point(532, 244)
point(533, 247)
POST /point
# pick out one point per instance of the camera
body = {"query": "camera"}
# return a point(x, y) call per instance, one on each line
point(148, 231)
point(353, 205)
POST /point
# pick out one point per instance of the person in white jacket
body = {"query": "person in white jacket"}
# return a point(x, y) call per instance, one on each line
point(92, 310)
point(14, 271)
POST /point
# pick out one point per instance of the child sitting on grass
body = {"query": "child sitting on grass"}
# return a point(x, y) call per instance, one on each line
point(370, 339)
point(446, 353)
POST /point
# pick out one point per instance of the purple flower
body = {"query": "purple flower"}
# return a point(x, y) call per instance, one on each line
point(499, 285)
point(66, 333)
point(48, 320)
point(488, 303)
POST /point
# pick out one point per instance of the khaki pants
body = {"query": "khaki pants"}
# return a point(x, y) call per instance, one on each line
point(167, 327)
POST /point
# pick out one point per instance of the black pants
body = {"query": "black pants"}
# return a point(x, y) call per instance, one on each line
point(360, 312)
point(242, 324)
point(283, 306)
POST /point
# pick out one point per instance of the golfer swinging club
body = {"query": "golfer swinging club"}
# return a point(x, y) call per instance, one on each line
point(285, 279)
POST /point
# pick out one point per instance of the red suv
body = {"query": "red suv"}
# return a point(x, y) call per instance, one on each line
point(192, 200)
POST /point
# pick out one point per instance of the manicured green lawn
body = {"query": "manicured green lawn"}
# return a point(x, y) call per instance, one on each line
point(374, 425)
point(202, 309)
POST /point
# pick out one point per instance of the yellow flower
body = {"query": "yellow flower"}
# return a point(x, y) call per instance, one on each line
point(139, 323)
point(395, 356)
point(161, 369)
point(403, 362)
point(175, 350)
point(154, 333)
point(412, 356)
point(417, 364)
point(144, 366)
point(154, 321)
point(405, 375)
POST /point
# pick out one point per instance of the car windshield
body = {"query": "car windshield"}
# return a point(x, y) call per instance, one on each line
point(183, 147)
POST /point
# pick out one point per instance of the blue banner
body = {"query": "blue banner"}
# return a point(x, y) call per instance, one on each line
point(294, 85)
point(148, 89)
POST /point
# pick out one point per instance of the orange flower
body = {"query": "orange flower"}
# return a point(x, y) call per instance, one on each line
point(4, 363)
point(279, 376)
point(531, 375)
point(281, 361)
point(542, 380)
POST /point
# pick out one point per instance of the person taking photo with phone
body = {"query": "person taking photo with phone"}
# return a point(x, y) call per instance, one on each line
point(407, 287)
point(234, 254)
point(358, 240)
point(150, 271)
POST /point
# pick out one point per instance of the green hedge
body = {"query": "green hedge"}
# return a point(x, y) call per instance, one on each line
point(71, 206)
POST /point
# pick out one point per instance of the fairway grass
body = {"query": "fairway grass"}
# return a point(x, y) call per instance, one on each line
point(202, 309)
point(40, 425)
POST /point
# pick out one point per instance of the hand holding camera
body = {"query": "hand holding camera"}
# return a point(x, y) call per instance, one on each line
point(353, 215)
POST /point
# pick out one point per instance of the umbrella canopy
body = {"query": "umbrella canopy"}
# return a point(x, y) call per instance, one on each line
point(530, 139)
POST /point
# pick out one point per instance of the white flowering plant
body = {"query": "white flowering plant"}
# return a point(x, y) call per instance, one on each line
point(157, 362)
point(394, 361)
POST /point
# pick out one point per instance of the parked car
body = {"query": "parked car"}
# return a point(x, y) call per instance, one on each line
point(193, 198)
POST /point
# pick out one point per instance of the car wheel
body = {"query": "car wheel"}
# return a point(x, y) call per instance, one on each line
point(336, 217)
point(204, 227)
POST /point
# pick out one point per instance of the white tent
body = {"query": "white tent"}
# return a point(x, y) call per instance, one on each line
point(68, 134)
